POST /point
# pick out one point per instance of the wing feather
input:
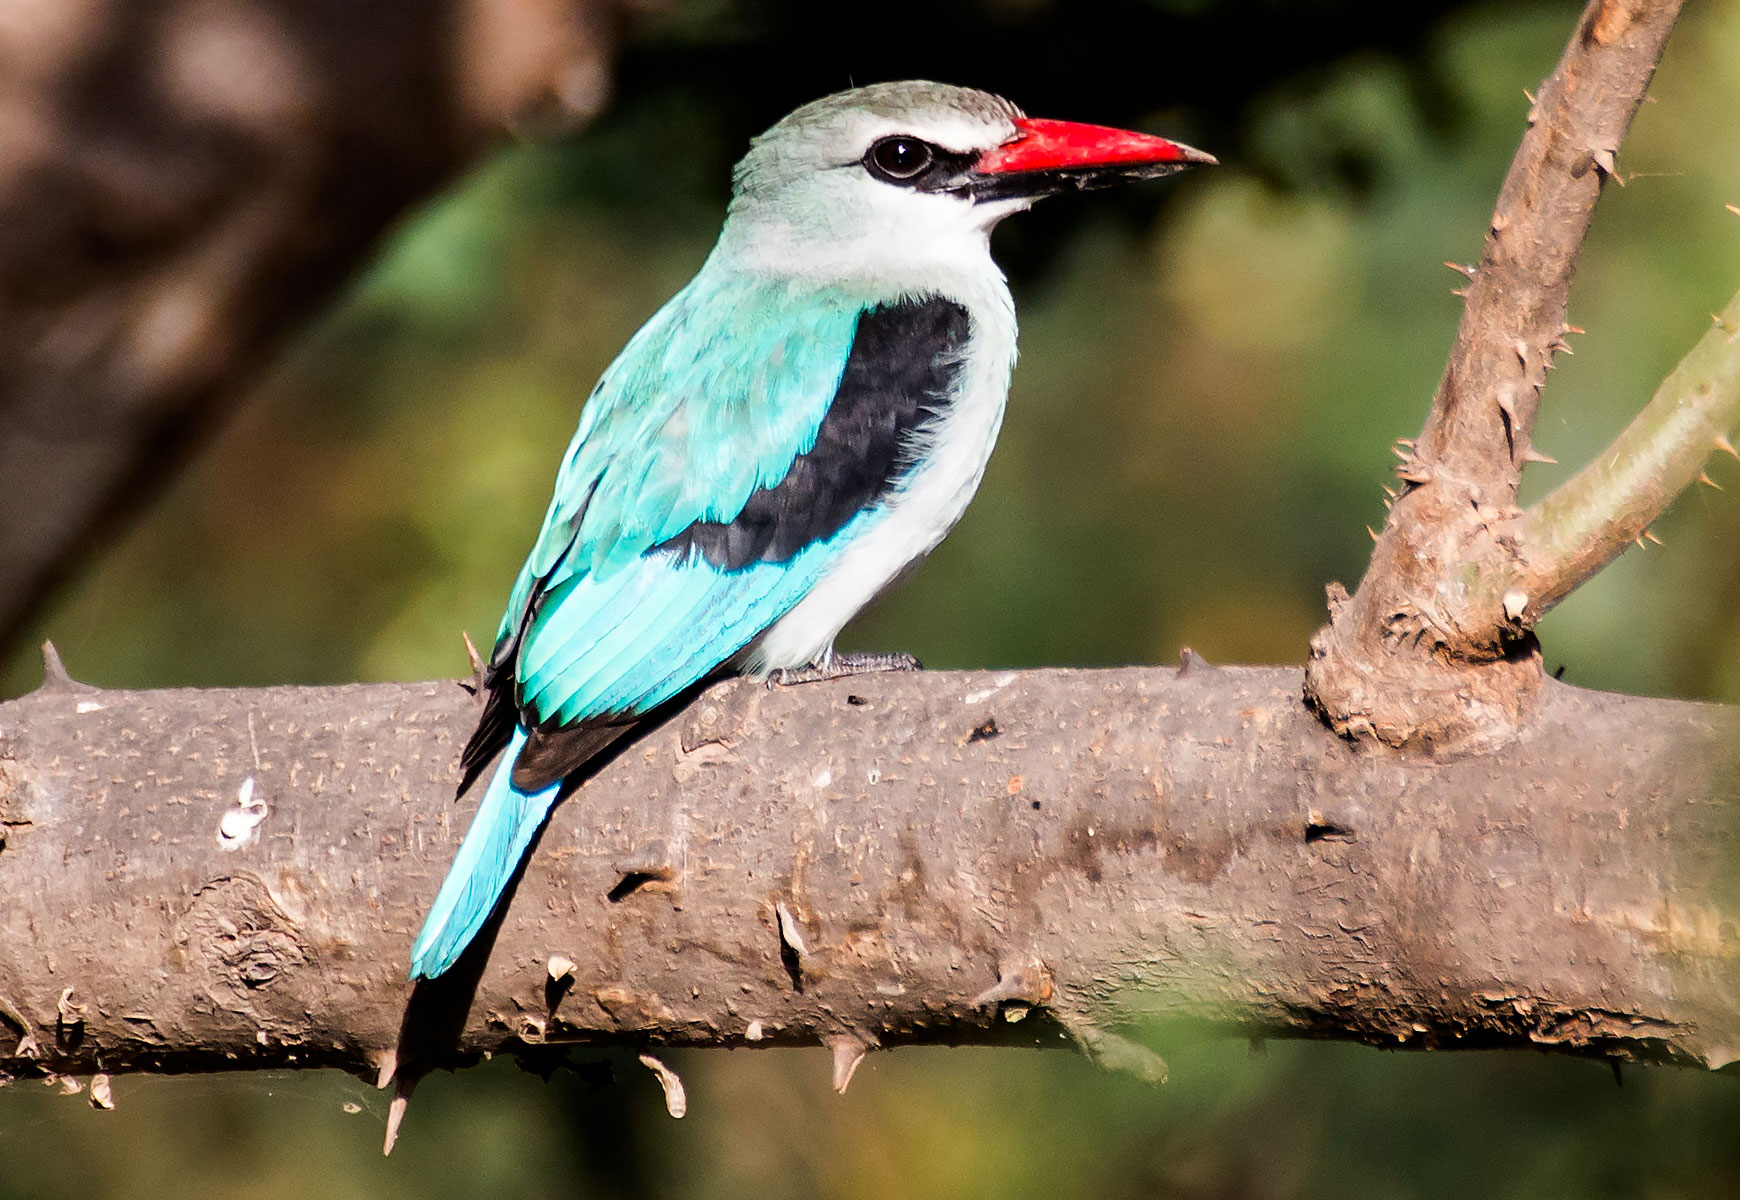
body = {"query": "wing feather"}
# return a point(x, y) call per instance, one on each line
point(684, 427)
point(712, 479)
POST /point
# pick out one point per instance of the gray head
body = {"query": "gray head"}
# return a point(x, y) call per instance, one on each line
point(835, 132)
point(895, 180)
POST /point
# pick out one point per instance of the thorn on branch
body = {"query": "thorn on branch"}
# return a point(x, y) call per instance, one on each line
point(1412, 468)
point(1531, 455)
point(1723, 444)
point(1415, 472)
point(1028, 984)
point(1649, 534)
point(386, 1066)
point(475, 685)
point(1704, 478)
point(1191, 663)
point(676, 1099)
point(849, 1049)
point(55, 677)
point(1114, 1052)
point(1461, 268)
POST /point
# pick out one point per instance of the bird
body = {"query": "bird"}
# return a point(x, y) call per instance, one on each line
point(796, 428)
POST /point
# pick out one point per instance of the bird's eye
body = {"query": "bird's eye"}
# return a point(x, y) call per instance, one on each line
point(898, 158)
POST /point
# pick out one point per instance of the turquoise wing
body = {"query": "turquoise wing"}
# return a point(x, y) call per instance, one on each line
point(715, 397)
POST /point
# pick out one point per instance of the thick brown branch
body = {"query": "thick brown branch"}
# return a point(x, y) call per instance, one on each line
point(1401, 659)
point(215, 879)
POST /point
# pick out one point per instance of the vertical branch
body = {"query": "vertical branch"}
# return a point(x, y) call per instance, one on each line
point(1478, 432)
point(1398, 661)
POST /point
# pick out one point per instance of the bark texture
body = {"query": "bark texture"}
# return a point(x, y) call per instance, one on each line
point(203, 879)
point(1414, 657)
point(183, 182)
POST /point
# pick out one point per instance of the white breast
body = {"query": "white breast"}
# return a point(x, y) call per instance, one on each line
point(931, 498)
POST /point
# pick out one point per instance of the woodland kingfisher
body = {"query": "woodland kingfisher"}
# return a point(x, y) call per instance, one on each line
point(794, 429)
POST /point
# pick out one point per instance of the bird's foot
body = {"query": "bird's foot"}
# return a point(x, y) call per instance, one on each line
point(839, 666)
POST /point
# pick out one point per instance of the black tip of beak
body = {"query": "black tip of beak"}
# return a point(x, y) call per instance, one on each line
point(1053, 181)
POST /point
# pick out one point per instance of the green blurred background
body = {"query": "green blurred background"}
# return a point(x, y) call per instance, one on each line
point(1212, 371)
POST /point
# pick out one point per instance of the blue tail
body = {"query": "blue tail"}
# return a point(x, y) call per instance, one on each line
point(493, 847)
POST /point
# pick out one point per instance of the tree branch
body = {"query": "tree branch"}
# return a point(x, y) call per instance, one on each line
point(1587, 521)
point(1404, 659)
point(225, 879)
point(1479, 429)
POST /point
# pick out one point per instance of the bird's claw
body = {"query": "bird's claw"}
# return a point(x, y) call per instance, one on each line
point(840, 666)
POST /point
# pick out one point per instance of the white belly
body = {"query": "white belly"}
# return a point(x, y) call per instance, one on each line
point(919, 513)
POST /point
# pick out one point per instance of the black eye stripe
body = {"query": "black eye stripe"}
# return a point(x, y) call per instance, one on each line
point(907, 161)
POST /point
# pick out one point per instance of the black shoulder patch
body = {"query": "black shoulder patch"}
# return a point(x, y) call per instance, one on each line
point(902, 370)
